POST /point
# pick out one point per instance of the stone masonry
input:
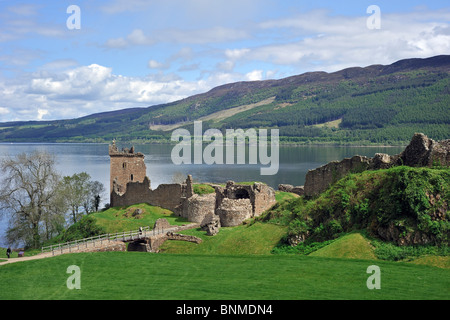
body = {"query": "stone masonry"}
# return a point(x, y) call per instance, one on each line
point(125, 166)
point(421, 151)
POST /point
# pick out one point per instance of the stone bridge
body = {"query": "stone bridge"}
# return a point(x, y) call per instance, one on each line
point(144, 239)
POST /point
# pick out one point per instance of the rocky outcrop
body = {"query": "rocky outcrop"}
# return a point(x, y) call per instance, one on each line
point(161, 224)
point(421, 151)
point(425, 152)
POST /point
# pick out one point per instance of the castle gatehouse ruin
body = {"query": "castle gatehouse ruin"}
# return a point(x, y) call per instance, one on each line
point(231, 204)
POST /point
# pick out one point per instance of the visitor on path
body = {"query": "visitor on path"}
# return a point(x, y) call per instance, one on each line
point(140, 230)
point(8, 252)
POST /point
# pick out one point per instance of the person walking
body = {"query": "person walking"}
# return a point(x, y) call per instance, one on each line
point(8, 252)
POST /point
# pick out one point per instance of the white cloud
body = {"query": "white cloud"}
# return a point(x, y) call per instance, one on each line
point(211, 35)
point(41, 113)
point(153, 64)
point(236, 53)
point(317, 41)
point(135, 38)
point(89, 89)
point(3, 111)
point(254, 75)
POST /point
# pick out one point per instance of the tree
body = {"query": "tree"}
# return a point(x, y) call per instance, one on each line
point(81, 193)
point(29, 196)
point(97, 191)
point(75, 190)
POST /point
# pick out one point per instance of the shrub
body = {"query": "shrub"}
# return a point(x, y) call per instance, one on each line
point(84, 228)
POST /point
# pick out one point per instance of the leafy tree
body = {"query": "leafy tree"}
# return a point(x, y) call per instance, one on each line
point(81, 193)
point(29, 196)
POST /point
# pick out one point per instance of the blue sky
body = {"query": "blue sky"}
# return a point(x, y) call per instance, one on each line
point(136, 53)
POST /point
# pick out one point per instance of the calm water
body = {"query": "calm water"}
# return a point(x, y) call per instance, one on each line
point(94, 159)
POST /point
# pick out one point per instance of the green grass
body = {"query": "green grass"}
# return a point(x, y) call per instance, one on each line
point(203, 189)
point(283, 196)
point(119, 219)
point(4, 257)
point(140, 276)
point(350, 246)
point(258, 238)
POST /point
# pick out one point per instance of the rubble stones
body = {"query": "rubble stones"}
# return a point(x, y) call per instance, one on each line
point(161, 224)
point(299, 190)
point(211, 224)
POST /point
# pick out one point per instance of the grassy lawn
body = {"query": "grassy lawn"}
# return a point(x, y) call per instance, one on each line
point(135, 275)
point(121, 218)
point(283, 196)
point(258, 238)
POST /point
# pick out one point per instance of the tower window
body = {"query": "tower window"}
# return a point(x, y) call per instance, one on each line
point(124, 165)
point(131, 177)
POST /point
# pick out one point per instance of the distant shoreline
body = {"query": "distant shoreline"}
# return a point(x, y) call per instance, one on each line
point(284, 144)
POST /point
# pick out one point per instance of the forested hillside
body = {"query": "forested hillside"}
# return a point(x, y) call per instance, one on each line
point(376, 104)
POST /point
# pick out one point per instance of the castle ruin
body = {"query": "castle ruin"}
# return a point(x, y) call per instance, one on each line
point(231, 204)
point(125, 166)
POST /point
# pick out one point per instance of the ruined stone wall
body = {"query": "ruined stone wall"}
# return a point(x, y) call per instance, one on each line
point(421, 151)
point(136, 192)
point(168, 196)
point(321, 178)
point(236, 203)
point(264, 198)
point(299, 190)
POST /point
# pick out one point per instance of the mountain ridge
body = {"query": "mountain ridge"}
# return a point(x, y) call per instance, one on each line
point(301, 101)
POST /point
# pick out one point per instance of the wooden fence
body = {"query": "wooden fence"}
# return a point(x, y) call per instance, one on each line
point(77, 245)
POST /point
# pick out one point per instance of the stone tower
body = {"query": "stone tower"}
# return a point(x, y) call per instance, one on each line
point(125, 166)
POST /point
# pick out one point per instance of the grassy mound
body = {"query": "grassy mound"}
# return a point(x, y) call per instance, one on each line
point(124, 218)
point(404, 205)
point(351, 246)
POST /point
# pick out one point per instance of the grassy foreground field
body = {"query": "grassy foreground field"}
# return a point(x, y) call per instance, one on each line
point(135, 275)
